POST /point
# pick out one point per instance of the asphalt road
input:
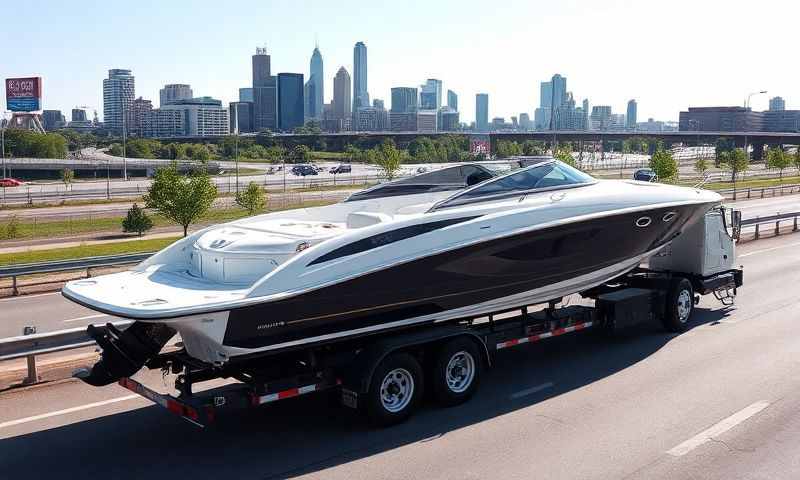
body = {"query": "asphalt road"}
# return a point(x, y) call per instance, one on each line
point(718, 402)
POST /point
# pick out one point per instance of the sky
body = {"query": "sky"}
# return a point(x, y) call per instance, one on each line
point(668, 55)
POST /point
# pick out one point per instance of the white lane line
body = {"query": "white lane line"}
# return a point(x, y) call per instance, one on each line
point(24, 297)
point(34, 418)
point(718, 429)
point(87, 317)
point(531, 391)
point(768, 249)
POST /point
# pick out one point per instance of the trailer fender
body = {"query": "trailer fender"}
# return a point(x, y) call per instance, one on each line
point(358, 375)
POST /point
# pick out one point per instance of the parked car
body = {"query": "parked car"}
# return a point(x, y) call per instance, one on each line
point(10, 182)
point(303, 170)
point(645, 175)
point(344, 168)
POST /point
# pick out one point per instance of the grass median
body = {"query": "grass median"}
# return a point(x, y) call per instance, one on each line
point(81, 251)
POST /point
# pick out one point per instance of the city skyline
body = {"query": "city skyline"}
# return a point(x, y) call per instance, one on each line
point(72, 74)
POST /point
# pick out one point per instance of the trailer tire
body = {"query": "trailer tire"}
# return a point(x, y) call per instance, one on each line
point(456, 372)
point(395, 390)
point(680, 305)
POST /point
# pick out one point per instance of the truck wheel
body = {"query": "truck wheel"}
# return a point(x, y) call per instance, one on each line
point(457, 372)
point(680, 304)
point(395, 390)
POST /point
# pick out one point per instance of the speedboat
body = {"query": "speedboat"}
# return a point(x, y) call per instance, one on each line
point(441, 246)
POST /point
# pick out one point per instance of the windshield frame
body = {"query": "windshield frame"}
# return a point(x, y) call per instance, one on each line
point(455, 201)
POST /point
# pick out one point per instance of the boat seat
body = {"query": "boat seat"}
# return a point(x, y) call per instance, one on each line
point(365, 219)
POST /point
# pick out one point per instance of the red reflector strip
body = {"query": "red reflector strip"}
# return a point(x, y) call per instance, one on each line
point(292, 392)
point(542, 336)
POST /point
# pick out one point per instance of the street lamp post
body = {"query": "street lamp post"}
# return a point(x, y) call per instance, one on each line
point(747, 107)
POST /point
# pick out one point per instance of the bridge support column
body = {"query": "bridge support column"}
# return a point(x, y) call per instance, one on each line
point(758, 151)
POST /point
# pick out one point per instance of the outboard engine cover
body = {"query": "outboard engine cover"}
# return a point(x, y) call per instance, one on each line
point(124, 351)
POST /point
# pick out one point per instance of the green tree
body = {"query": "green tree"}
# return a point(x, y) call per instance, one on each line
point(67, 176)
point(564, 154)
point(777, 158)
point(664, 165)
point(301, 154)
point(388, 157)
point(11, 229)
point(200, 153)
point(251, 199)
point(533, 148)
point(136, 221)
point(115, 150)
point(181, 199)
point(734, 160)
point(701, 165)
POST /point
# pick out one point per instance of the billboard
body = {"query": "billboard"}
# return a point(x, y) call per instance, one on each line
point(24, 94)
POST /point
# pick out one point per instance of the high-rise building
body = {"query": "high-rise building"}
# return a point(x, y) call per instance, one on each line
point(78, 115)
point(201, 117)
point(630, 115)
point(360, 92)
point(140, 111)
point(448, 119)
point(403, 121)
point(52, 120)
point(371, 119)
point(552, 113)
point(246, 95)
point(404, 100)
point(119, 90)
point(452, 100)
point(173, 92)
point(164, 123)
point(430, 95)
point(241, 117)
point(777, 104)
point(524, 122)
point(721, 119)
point(585, 107)
point(482, 112)
point(315, 87)
point(265, 93)
point(341, 95)
point(378, 103)
point(601, 117)
point(426, 121)
point(290, 101)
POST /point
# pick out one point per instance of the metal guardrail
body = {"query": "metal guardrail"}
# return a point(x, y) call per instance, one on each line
point(777, 219)
point(87, 264)
point(760, 192)
point(30, 344)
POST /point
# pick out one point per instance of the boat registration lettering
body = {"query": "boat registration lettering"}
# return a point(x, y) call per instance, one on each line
point(265, 326)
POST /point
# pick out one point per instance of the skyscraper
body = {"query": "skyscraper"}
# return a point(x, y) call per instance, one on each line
point(777, 104)
point(119, 90)
point(482, 112)
point(452, 100)
point(265, 93)
point(360, 93)
point(290, 101)
point(315, 87)
point(78, 115)
point(630, 117)
point(404, 99)
point(341, 94)
point(173, 92)
point(430, 96)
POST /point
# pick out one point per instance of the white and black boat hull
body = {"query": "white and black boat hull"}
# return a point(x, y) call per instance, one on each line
point(505, 272)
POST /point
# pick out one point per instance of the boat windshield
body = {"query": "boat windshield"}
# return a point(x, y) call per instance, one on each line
point(544, 176)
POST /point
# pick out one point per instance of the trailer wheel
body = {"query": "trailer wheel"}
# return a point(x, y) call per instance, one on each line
point(680, 304)
point(395, 390)
point(456, 372)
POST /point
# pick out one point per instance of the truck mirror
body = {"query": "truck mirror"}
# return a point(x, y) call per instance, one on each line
point(736, 223)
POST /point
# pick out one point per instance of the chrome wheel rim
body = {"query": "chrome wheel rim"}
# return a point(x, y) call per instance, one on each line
point(684, 305)
point(460, 372)
point(397, 388)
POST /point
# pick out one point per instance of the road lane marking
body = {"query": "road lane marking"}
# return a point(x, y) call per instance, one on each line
point(718, 429)
point(768, 249)
point(34, 418)
point(23, 297)
point(531, 391)
point(87, 317)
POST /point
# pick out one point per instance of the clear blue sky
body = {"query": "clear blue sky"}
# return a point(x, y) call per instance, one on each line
point(667, 55)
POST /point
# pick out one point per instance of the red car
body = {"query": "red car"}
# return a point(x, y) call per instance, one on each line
point(9, 182)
